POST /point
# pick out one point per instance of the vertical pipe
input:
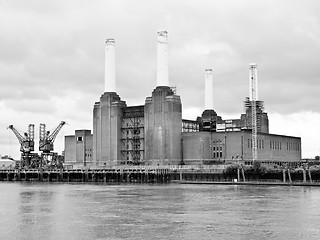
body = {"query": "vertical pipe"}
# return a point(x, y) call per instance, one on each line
point(243, 176)
point(238, 174)
point(309, 172)
point(110, 66)
point(162, 59)
point(289, 175)
point(284, 175)
point(208, 89)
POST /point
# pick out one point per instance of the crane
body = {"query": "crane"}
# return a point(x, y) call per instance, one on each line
point(253, 96)
point(46, 140)
point(26, 141)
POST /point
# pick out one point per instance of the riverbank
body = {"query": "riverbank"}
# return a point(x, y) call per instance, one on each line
point(260, 183)
point(163, 174)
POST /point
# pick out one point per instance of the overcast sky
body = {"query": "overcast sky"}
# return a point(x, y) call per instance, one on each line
point(52, 60)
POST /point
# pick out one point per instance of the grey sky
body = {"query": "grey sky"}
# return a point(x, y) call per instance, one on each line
point(52, 59)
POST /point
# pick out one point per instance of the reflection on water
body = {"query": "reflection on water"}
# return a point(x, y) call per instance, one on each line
point(89, 211)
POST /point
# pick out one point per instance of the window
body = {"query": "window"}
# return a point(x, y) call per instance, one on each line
point(79, 139)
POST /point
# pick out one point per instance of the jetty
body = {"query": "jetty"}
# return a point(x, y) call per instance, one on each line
point(105, 175)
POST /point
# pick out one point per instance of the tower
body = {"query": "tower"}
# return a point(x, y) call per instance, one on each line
point(253, 98)
point(107, 114)
point(209, 118)
point(162, 114)
point(208, 78)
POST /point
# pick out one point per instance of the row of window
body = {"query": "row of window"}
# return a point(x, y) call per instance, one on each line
point(88, 152)
point(217, 155)
point(217, 148)
point(260, 143)
point(276, 145)
point(293, 146)
point(135, 146)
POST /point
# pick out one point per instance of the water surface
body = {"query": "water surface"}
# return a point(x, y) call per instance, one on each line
point(171, 211)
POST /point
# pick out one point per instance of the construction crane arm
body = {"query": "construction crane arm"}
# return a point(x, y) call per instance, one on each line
point(20, 138)
point(47, 139)
point(55, 132)
point(26, 141)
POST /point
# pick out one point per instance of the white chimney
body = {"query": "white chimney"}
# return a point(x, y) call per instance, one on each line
point(208, 104)
point(162, 59)
point(110, 66)
point(253, 82)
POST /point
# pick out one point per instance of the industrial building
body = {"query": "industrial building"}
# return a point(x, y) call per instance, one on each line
point(156, 134)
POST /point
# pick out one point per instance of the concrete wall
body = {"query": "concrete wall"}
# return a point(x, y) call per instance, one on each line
point(163, 126)
point(69, 149)
point(79, 148)
point(107, 116)
point(195, 147)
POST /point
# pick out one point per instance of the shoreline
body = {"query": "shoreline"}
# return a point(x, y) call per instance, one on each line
point(265, 183)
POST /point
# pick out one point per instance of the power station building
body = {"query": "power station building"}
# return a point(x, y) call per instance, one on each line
point(156, 134)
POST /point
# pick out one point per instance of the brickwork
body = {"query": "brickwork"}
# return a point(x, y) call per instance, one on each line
point(206, 148)
point(107, 129)
point(163, 127)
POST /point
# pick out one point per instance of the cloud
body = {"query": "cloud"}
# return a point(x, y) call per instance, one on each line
point(304, 125)
point(52, 54)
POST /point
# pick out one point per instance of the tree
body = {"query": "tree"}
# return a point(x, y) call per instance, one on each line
point(258, 169)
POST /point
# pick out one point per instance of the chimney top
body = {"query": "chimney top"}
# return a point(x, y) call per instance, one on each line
point(162, 32)
point(208, 103)
point(162, 36)
point(110, 41)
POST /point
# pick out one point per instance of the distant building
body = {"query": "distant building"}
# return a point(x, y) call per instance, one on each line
point(156, 134)
point(78, 148)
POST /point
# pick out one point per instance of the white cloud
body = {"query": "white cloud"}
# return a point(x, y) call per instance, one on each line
point(300, 124)
point(52, 56)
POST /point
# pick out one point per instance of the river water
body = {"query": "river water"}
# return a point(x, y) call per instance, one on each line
point(170, 211)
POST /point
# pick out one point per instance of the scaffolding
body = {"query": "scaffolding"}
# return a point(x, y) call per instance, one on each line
point(259, 110)
point(190, 126)
point(132, 136)
point(253, 78)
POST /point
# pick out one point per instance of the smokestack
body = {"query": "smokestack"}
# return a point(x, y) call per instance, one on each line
point(208, 89)
point(253, 82)
point(162, 59)
point(110, 66)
